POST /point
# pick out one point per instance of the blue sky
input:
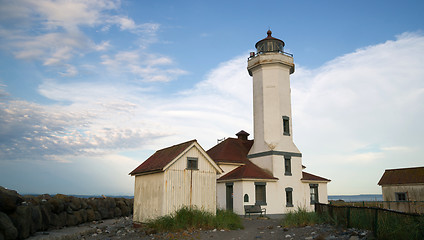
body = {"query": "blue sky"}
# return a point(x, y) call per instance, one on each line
point(90, 89)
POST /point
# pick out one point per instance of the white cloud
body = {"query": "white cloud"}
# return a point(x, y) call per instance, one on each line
point(355, 116)
point(149, 67)
point(371, 97)
point(54, 32)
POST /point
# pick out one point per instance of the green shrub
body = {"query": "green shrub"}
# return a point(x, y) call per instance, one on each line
point(226, 219)
point(192, 218)
point(301, 218)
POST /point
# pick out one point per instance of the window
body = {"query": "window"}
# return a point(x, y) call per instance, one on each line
point(287, 166)
point(314, 193)
point(192, 163)
point(260, 193)
point(246, 198)
point(401, 196)
point(286, 126)
point(289, 197)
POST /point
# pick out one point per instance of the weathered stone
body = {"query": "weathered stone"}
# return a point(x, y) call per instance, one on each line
point(71, 220)
point(45, 210)
point(69, 210)
point(84, 204)
point(120, 203)
point(97, 215)
point(75, 203)
point(81, 216)
point(58, 205)
point(58, 220)
point(37, 219)
point(21, 218)
point(117, 212)
point(9, 200)
point(93, 203)
point(125, 211)
point(7, 229)
point(90, 215)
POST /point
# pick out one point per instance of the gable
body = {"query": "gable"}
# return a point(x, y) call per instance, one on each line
point(205, 163)
point(161, 158)
point(402, 176)
point(247, 171)
point(306, 177)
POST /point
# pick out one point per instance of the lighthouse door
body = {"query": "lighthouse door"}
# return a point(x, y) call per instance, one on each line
point(229, 196)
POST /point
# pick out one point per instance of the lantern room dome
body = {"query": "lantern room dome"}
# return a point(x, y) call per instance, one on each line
point(270, 44)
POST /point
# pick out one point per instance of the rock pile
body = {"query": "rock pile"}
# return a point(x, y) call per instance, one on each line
point(22, 216)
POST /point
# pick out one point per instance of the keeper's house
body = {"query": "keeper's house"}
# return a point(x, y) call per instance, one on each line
point(173, 177)
point(403, 189)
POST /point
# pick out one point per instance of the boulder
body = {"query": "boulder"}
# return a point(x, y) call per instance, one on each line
point(91, 215)
point(45, 210)
point(37, 219)
point(81, 216)
point(58, 220)
point(117, 212)
point(21, 218)
point(84, 204)
point(71, 220)
point(97, 216)
point(125, 211)
point(7, 229)
point(57, 204)
point(75, 203)
point(9, 200)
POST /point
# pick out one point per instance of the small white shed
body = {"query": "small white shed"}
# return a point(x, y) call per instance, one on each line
point(173, 177)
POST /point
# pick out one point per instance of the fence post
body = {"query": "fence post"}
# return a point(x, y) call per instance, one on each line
point(376, 222)
point(348, 218)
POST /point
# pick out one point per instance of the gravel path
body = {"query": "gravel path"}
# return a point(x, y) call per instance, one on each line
point(254, 228)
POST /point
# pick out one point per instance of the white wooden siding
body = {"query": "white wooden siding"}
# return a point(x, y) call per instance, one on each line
point(185, 187)
point(148, 197)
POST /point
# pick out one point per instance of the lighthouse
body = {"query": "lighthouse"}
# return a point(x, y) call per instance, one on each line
point(273, 148)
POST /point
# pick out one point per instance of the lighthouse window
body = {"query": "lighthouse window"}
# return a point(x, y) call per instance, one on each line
point(192, 163)
point(314, 193)
point(287, 166)
point(289, 197)
point(286, 126)
point(260, 193)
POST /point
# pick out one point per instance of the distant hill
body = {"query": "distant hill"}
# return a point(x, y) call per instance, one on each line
point(83, 196)
point(357, 198)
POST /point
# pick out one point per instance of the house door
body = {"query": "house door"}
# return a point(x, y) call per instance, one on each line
point(229, 196)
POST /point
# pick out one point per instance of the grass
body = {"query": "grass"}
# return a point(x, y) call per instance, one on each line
point(391, 226)
point(301, 218)
point(388, 225)
point(188, 218)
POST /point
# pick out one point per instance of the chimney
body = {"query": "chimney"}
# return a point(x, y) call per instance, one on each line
point(242, 135)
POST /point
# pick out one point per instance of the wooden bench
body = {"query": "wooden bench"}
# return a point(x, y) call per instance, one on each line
point(248, 209)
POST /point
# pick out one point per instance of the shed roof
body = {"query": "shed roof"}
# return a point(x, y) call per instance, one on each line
point(402, 176)
point(247, 171)
point(231, 150)
point(310, 177)
point(162, 157)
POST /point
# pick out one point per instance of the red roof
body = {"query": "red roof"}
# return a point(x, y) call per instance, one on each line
point(402, 176)
point(231, 150)
point(310, 177)
point(161, 158)
point(247, 171)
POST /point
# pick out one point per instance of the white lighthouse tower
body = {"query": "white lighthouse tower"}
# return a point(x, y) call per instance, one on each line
point(273, 148)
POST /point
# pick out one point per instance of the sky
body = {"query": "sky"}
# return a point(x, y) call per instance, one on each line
point(90, 89)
